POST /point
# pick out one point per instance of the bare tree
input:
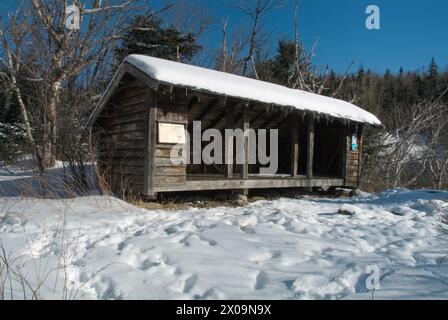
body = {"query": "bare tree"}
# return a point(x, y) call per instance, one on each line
point(189, 17)
point(305, 75)
point(12, 66)
point(224, 53)
point(229, 55)
point(51, 56)
point(255, 11)
point(413, 154)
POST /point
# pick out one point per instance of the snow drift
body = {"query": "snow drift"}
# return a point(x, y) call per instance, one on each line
point(103, 248)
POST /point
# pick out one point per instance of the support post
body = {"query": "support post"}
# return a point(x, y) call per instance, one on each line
point(294, 145)
point(246, 126)
point(345, 152)
point(150, 142)
point(310, 156)
point(229, 154)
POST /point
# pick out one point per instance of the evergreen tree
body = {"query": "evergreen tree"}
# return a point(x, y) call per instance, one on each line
point(401, 91)
point(431, 85)
point(419, 86)
point(361, 75)
point(148, 36)
point(12, 134)
point(280, 69)
point(283, 63)
point(433, 69)
point(388, 96)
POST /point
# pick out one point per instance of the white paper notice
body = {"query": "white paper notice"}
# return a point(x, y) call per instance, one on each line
point(171, 133)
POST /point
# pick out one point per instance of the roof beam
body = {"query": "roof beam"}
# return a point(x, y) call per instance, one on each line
point(209, 107)
point(283, 121)
point(269, 120)
point(257, 117)
point(192, 102)
point(235, 105)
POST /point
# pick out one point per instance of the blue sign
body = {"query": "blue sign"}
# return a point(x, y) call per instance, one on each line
point(354, 143)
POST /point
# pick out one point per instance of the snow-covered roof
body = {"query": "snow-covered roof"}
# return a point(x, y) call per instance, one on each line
point(189, 76)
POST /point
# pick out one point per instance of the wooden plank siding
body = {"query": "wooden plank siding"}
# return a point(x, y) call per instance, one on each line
point(310, 152)
point(166, 173)
point(150, 140)
point(122, 147)
point(352, 161)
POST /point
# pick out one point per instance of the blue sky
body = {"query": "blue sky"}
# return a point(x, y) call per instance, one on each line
point(412, 31)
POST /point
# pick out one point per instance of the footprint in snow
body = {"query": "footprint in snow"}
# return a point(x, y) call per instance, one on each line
point(139, 233)
point(212, 293)
point(187, 240)
point(289, 284)
point(121, 245)
point(209, 241)
point(170, 230)
point(189, 283)
point(148, 264)
point(248, 230)
point(261, 280)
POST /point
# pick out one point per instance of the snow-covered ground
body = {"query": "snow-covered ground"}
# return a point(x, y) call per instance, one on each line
point(282, 249)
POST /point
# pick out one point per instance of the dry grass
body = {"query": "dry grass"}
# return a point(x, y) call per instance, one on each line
point(15, 282)
point(41, 276)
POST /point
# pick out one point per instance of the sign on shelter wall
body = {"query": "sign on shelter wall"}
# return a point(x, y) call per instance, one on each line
point(172, 133)
point(354, 143)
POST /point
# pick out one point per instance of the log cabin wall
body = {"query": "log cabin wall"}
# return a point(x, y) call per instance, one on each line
point(131, 157)
point(122, 127)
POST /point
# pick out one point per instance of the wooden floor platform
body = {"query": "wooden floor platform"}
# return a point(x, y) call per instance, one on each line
point(216, 182)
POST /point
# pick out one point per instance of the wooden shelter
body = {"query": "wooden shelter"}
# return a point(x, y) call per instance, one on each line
point(151, 101)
